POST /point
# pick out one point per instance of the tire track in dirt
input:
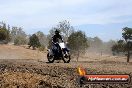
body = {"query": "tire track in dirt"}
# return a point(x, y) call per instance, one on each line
point(26, 68)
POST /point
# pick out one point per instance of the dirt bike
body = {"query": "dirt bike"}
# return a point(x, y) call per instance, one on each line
point(61, 53)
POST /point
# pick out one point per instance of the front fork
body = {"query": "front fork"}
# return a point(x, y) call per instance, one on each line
point(65, 52)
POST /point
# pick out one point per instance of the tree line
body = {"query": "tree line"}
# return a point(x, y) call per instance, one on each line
point(17, 36)
point(78, 42)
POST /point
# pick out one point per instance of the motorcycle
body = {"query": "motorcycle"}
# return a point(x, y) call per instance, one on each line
point(60, 53)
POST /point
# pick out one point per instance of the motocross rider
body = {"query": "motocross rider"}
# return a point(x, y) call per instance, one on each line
point(55, 41)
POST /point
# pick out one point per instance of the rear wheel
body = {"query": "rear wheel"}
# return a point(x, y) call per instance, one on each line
point(50, 58)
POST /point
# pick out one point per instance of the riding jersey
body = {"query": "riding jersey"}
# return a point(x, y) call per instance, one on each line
point(56, 38)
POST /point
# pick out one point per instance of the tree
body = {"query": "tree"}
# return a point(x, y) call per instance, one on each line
point(77, 42)
point(118, 47)
point(34, 41)
point(19, 40)
point(127, 35)
point(42, 38)
point(4, 33)
point(97, 44)
point(65, 29)
point(18, 32)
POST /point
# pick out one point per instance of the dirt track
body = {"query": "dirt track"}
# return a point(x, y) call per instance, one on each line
point(26, 68)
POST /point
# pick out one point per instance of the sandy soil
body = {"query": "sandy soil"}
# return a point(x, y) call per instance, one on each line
point(27, 68)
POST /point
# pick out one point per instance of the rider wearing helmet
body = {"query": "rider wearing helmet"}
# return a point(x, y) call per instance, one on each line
point(55, 41)
point(56, 37)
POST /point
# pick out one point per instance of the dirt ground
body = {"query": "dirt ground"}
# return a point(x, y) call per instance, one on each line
point(27, 68)
point(19, 52)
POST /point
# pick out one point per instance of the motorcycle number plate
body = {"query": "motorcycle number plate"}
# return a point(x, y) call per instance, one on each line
point(62, 45)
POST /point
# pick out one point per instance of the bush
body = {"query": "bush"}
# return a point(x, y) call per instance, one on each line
point(4, 35)
point(34, 41)
point(19, 40)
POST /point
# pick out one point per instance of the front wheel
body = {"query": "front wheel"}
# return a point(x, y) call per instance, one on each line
point(50, 58)
point(67, 59)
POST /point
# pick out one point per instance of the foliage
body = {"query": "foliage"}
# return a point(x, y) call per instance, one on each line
point(42, 38)
point(17, 32)
point(120, 46)
point(77, 42)
point(127, 35)
point(18, 36)
point(124, 46)
point(95, 43)
point(34, 41)
point(4, 32)
point(65, 30)
point(19, 40)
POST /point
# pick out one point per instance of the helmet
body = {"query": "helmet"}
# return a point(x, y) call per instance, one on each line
point(57, 32)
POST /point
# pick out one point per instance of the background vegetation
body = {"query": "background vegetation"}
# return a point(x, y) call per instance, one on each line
point(78, 42)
